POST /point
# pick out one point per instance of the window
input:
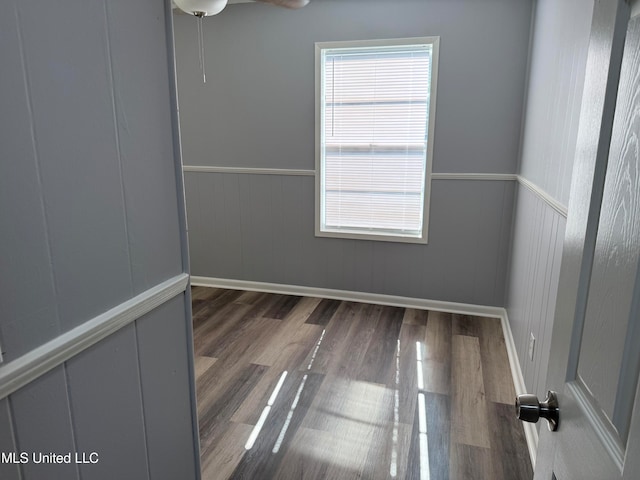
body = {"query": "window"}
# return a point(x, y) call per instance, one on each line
point(375, 106)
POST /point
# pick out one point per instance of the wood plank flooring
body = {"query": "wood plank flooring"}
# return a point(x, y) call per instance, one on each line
point(307, 388)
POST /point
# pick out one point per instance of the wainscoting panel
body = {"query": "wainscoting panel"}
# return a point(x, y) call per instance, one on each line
point(559, 44)
point(95, 402)
point(106, 402)
point(42, 416)
point(165, 391)
point(535, 269)
point(261, 228)
point(8, 471)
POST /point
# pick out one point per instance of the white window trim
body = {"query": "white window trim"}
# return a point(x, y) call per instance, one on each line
point(319, 46)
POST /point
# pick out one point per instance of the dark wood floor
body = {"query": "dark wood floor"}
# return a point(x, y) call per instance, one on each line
point(304, 388)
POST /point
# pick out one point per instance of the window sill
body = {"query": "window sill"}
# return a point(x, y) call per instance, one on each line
point(356, 235)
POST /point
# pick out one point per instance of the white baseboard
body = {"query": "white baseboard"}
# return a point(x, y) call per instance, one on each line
point(350, 296)
point(530, 430)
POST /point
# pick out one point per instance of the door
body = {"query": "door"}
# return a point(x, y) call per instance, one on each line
point(595, 351)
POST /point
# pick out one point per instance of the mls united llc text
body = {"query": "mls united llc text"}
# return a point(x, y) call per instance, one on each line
point(39, 457)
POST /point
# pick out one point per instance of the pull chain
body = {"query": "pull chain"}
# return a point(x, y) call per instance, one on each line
point(199, 16)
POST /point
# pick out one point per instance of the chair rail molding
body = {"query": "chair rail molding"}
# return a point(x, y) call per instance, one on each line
point(23, 370)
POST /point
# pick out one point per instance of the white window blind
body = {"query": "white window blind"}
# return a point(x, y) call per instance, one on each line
point(375, 110)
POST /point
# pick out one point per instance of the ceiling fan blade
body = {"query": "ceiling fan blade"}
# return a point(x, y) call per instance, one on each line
point(287, 3)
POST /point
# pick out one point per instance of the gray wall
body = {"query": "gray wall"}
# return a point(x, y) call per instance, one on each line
point(558, 59)
point(90, 208)
point(257, 110)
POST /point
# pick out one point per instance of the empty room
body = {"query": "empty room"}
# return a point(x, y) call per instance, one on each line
point(320, 239)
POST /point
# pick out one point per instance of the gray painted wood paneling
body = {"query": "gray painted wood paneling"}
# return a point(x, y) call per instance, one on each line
point(297, 212)
point(8, 471)
point(70, 90)
point(164, 370)
point(257, 107)
point(560, 40)
point(465, 260)
point(257, 230)
point(209, 199)
point(467, 233)
point(556, 79)
point(98, 405)
point(257, 110)
point(135, 31)
point(106, 402)
point(90, 201)
point(535, 269)
point(26, 320)
point(43, 425)
point(72, 179)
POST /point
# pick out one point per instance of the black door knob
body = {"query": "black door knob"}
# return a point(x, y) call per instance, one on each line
point(529, 409)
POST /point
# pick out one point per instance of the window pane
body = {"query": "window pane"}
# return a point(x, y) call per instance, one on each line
point(375, 110)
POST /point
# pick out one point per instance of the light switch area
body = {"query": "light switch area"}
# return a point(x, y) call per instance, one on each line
point(532, 346)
